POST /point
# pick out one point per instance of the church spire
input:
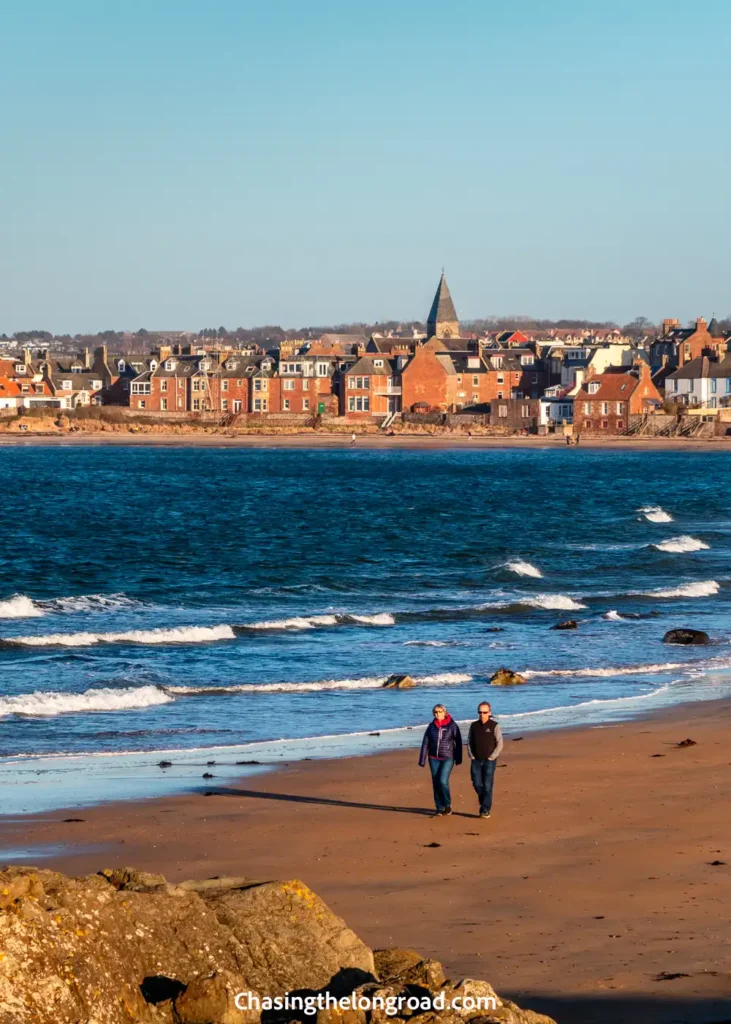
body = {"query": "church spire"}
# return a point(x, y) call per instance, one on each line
point(442, 321)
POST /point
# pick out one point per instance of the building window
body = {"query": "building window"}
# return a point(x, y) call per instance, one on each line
point(500, 378)
point(163, 385)
point(351, 403)
point(260, 405)
point(196, 404)
point(587, 408)
point(587, 424)
point(181, 383)
point(305, 404)
point(224, 385)
point(141, 403)
point(502, 410)
point(163, 404)
point(500, 394)
point(322, 369)
point(66, 385)
point(170, 364)
point(475, 382)
point(378, 364)
point(605, 424)
point(197, 385)
point(475, 398)
point(237, 405)
point(285, 405)
point(713, 385)
point(224, 404)
point(620, 406)
point(620, 424)
point(605, 408)
point(525, 412)
point(305, 385)
point(289, 385)
point(527, 360)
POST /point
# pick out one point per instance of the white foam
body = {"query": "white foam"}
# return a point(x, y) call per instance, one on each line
point(681, 545)
point(430, 643)
point(567, 708)
point(313, 621)
point(614, 616)
point(176, 635)
point(655, 514)
point(45, 703)
point(560, 602)
point(524, 569)
point(606, 673)
point(362, 683)
point(705, 588)
point(89, 603)
point(19, 607)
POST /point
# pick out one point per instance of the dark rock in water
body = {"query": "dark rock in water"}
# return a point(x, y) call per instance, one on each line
point(207, 775)
point(67, 820)
point(164, 764)
point(248, 762)
point(687, 743)
point(506, 677)
point(686, 636)
point(399, 682)
point(374, 734)
point(568, 624)
point(493, 629)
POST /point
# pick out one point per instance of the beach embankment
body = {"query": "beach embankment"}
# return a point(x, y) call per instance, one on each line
point(597, 891)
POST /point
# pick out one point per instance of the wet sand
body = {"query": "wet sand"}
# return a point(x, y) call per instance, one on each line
point(367, 441)
point(591, 893)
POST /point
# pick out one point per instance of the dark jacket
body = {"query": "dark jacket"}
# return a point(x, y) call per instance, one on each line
point(485, 740)
point(441, 743)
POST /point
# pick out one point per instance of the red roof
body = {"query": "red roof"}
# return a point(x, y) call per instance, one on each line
point(613, 387)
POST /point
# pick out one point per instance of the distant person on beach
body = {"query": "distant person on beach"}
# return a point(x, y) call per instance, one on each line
point(352, 438)
point(442, 746)
point(568, 439)
point(484, 745)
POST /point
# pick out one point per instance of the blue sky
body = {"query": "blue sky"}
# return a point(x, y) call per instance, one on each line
point(175, 164)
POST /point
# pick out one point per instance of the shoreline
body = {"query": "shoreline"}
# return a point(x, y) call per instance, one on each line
point(592, 881)
point(364, 441)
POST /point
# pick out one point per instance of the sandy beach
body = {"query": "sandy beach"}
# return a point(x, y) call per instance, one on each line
point(310, 439)
point(598, 890)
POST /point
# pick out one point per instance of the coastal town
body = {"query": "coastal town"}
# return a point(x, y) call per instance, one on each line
point(675, 380)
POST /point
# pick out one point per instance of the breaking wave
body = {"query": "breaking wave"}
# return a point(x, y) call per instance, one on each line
point(706, 588)
point(560, 602)
point(614, 616)
point(362, 683)
point(176, 635)
point(655, 514)
point(313, 621)
point(89, 603)
point(19, 607)
point(434, 643)
point(47, 703)
point(606, 673)
point(680, 545)
point(524, 569)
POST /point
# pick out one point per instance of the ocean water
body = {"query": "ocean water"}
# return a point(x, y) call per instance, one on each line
point(235, 604)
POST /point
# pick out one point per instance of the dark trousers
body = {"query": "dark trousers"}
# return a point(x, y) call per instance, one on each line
point(440, 772)
point(483, 776)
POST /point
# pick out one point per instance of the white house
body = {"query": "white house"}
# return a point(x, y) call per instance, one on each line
point(701, 382)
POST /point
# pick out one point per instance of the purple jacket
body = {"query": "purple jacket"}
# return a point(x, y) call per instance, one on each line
point(441, 743)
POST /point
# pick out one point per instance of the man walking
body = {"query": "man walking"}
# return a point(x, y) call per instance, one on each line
point(484, 745)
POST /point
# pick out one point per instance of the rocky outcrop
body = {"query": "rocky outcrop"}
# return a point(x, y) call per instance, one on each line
point(686, 636)
point(127, 947)
point(568, 624)
point(399, 682)
point(506, 677)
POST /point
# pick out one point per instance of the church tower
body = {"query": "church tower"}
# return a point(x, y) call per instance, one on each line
point(442, 321)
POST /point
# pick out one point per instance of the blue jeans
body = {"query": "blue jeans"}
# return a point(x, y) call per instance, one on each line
point(440, 772)
point(483, 776)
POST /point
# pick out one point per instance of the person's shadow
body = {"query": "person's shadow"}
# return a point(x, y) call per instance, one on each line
point(256, 794)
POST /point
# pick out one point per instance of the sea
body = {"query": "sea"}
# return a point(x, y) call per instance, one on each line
point(197, 608)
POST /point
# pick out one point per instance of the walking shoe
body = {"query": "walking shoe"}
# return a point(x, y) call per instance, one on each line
point(484, 814)
point(436, 814)
point(446, 811)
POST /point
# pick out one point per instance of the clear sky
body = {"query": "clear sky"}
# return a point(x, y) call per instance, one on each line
point(180, 164)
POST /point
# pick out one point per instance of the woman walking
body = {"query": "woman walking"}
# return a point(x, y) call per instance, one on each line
point(442, 745)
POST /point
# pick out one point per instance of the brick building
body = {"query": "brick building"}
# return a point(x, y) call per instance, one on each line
point(371, 388)
point(604, 403)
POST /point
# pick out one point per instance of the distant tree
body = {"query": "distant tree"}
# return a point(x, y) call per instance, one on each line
point(142, 333)
point(638, 327)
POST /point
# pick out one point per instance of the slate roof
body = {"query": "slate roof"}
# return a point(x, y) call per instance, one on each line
point(364, 367)
point(714, 330)
point(702, 366)
point(442, 308)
